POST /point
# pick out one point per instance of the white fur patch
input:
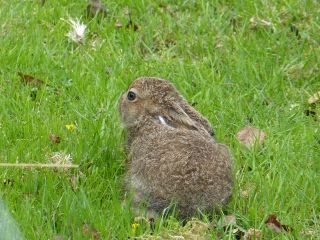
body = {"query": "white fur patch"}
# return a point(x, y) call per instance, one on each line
point(163, 121)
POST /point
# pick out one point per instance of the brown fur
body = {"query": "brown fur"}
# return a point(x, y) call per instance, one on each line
point(173, 159)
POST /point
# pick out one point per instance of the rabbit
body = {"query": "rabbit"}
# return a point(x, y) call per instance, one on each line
point(172, 156)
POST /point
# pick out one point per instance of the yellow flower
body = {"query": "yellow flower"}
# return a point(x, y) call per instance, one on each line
point(70, 127)
point(135, 226)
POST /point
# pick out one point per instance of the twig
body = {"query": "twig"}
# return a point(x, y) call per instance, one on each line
point(38, 165)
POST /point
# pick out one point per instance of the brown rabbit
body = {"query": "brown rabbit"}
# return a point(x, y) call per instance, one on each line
point(172, 155)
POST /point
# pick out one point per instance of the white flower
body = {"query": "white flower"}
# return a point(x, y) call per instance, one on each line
point(78, 31)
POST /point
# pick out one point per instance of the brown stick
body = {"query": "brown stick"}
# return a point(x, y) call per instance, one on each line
point(38, 165)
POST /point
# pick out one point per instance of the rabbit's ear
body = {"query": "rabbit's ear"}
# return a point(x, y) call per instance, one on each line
point(177, 117)
point(197, 117)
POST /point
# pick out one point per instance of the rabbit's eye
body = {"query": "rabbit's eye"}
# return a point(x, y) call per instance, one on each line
point(131, 96)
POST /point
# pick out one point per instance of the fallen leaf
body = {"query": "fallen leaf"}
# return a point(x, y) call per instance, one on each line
point(227, 220)
point(315, 98)
point(275, 225)
point(54, 138)
point(85, 229)
point(252, 234)
point(28, 79)
point(118, 24)
point(248, 136)
point(96, 235)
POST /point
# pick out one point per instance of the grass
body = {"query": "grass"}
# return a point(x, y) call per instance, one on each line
point(238, 72)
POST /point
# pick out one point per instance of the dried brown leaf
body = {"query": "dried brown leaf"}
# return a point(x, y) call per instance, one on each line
point(248, 136)
point(252, 234)
point(275, 225)
point(85, 229)
point(315, 98)
point(54, 138)
point(95, 234)
point(118, 24)
point(28, 79)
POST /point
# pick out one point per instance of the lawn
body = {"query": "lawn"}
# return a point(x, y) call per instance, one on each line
point(240, 63)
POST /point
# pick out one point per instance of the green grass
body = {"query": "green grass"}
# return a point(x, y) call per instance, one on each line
point(238, 75)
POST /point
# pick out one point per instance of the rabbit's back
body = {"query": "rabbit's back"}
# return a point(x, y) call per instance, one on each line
point(184, 166)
